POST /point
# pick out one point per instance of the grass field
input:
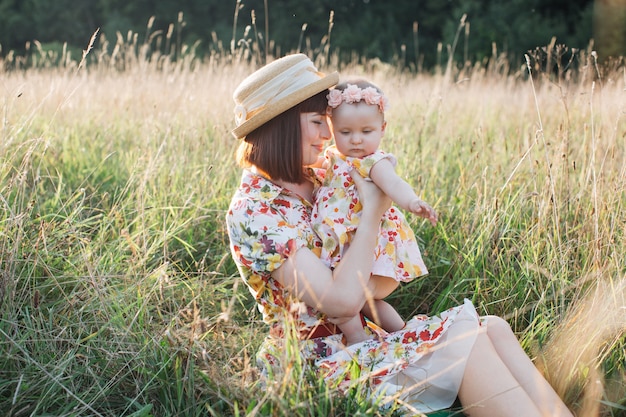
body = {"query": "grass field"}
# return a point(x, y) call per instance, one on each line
point(118, 296)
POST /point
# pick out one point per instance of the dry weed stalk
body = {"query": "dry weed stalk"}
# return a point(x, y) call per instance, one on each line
point(590, 330)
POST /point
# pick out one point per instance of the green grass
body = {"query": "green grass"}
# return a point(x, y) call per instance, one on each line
point(118, 296)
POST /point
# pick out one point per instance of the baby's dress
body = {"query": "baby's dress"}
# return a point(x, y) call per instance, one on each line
point(337, 213)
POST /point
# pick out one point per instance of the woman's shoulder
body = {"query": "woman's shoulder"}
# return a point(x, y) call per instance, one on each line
point(252, 190)
point(254, 186)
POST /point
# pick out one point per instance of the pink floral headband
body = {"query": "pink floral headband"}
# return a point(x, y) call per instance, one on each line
point(354, 94)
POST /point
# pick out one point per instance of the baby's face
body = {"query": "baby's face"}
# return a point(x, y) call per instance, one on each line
point(358, 128)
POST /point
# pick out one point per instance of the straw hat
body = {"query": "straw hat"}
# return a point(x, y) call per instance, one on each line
point(275, 88)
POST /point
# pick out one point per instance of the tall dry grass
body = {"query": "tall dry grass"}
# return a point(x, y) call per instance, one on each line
point(117, 290)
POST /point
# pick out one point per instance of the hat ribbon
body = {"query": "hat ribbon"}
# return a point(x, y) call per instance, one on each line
point(276, 89)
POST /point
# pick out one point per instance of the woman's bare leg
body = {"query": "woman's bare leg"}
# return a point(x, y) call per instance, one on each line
point(523, 369)
point(488, 388)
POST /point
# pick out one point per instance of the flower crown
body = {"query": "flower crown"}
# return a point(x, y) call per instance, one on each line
point(354, 94)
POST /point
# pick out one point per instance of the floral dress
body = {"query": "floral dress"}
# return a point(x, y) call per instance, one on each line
point(336, 216)
point(417, 366)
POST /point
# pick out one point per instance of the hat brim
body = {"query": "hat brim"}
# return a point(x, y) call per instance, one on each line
point(285, 104)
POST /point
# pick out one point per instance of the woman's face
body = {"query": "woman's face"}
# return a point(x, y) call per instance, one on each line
point(315, 134)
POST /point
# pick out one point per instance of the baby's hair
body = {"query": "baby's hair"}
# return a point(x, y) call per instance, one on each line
point(362, 83)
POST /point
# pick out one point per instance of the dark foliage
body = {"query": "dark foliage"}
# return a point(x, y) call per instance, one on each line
point(406, 31)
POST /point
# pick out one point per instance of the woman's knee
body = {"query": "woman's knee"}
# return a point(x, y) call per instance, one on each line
point(498, 327)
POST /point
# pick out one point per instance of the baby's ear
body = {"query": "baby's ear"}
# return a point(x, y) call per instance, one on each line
point(384, 127)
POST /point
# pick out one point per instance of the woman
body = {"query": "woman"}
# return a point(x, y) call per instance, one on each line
point(281, 116)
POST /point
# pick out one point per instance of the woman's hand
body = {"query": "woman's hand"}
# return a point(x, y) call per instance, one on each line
point(372, 198)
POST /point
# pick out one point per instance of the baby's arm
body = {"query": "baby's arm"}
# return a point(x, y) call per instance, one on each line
point(384, 175)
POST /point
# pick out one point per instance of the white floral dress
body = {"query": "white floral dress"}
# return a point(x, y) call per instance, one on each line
point(337, 212)
point(420, 366)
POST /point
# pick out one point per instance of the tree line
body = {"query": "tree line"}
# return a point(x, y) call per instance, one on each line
point(417, 32)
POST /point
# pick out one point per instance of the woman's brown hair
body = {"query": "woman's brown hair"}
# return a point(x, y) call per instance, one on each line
point(275, 148)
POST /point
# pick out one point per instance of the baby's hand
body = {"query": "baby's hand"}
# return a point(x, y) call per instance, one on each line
point(422, 209)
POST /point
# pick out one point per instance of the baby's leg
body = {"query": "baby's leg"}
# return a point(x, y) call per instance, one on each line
point(384, 315)
point(352, 329)
point(381, 312)
point(380, 287)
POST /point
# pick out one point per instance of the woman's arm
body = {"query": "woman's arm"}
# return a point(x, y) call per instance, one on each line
point(341, 292)
point(384, 175)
